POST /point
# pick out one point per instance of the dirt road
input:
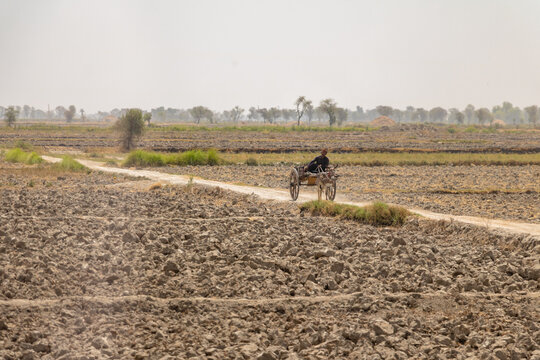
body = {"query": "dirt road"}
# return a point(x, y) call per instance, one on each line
point(281, 195)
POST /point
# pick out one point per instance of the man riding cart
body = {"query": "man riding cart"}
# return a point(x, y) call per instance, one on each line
point(317, 173)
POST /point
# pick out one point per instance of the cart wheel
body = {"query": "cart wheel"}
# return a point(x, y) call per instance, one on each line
point(294, 184)
point(331, 191)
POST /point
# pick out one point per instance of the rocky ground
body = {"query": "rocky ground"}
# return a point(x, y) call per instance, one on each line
point(500, 192)
point(95, 266)
point(405, 137)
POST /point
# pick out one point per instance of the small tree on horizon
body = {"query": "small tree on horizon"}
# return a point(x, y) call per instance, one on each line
point(10, 116)
point(147, 117)
point(301, 106)
point(202, 112)
point(460, 117)
point(310, 111)
point(437, 114)
point(70, 113)
point(532, 113)
point(384, 110)
point(329, 107)
point(131, 128)
point(483, 115)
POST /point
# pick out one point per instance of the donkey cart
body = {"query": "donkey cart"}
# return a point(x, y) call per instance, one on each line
point(325, 181)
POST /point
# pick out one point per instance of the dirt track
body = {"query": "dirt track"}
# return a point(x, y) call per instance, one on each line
point(281, 195)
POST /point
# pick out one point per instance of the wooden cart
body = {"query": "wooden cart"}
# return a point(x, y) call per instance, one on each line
point(325, 181)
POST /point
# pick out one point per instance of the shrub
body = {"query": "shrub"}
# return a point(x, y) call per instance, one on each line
point(143, 158)
point(193, 157)
point(70, 164)
point(131, 127)
point(251, 161)
point(18, 155)
point(376, 214)
point(212, 157)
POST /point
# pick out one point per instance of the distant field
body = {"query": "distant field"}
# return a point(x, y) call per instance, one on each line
point(394, 158)
point(279, 139)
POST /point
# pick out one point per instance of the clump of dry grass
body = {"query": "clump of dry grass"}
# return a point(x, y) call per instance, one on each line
point(376, 214)
point(155, 186)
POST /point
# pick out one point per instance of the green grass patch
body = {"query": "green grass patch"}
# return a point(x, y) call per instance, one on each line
point(143, 158)
point(376, 214)
point(386, 158)
point(18, 155)
point(70, 164)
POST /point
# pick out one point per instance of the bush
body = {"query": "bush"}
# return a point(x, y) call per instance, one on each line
point(251, 161)
point(376, 214)
point(19, 156)
point(70, 164)
point(143, 158)
point(131, 127)
point(193, 157)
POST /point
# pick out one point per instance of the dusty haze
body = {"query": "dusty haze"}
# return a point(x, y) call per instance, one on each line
point(106, 54)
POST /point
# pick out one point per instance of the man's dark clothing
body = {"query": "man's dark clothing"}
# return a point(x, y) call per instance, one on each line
point(321, 160)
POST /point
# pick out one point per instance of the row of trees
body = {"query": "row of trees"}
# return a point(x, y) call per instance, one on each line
point(304, 112)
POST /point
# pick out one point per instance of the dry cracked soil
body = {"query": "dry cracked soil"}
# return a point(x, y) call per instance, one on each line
point(497, 192)
point(94, 266)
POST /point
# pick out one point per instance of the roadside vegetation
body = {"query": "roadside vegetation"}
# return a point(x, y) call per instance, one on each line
point(376, 214)
point(70, 164)
point(143, 158)
point(386, 158)
point(18, 155)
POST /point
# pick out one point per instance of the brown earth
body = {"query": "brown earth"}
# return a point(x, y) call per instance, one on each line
point(92, 268)
point(500, 192)
point(404, 137)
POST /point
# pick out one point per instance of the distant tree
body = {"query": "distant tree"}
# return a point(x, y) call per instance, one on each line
point(409, 113)
point(265, 114)
point(532, 113)
point(83, 116)
point(310, 111)
point(329, 107)
point(460, 117)
point(201, 112)
point(301, 106)
point(274, 114)
point(384, 110)
point(398, 115)
point(437, 114)
point(341, 115)
point(60, 110)
point(10, 116)
point(483, 115)
point(253, 114)
point(26, 111)
point(70, 113)
point(359, 113)
point(131, 128)
point(420, 114)
point(147, 117)
point(234, 114)
point(469, 113)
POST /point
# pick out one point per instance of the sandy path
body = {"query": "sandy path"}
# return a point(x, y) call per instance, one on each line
point(282, 195)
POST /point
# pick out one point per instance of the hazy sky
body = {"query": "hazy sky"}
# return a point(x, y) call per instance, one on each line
point(104, 54)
